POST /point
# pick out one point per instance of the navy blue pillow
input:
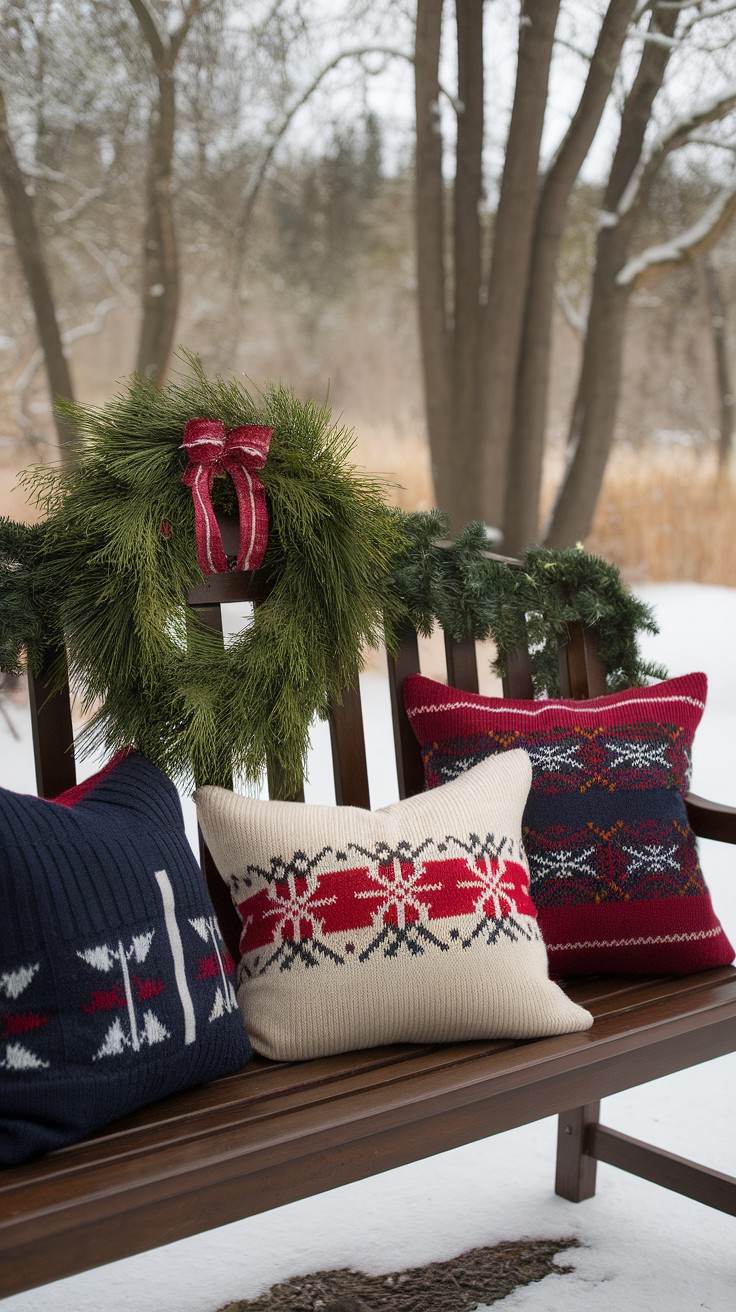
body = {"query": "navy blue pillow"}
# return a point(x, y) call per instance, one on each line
point(115, 985)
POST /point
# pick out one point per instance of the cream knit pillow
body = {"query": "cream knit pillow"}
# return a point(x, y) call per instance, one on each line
point(412, 924)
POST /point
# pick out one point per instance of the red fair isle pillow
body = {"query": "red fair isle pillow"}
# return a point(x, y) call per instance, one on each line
point(614, 866)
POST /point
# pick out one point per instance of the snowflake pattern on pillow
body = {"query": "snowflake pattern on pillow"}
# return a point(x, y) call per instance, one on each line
point(409, 924)
point(614, 866)
point(115, 985)
point(398, 898)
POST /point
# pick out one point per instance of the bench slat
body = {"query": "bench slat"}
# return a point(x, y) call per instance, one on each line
point(619, 992)
point(462, 664)
point(581, 671)
point(51, 724)
point(348, 749)
point(409, 767)
point(517, 682)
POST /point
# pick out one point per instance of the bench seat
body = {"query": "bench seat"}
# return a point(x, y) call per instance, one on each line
point(278, 1132)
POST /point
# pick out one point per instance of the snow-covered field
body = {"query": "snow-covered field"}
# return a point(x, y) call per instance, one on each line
point(642, 1248)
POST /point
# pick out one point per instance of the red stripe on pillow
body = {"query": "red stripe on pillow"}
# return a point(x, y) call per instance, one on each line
point(73, 796)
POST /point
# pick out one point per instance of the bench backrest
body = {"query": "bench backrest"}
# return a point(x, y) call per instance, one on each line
point(581, 675)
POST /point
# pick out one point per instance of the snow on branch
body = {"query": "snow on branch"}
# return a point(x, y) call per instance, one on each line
point(702, 11)
point(718, 10)
point(25, 378)
point(702, 139)
point(575, 318)
point(659, 39)
point(709, 111)
point(679, 133)
point(684, 33)
point(686, 246)
point(684, 40)
point(45, 174)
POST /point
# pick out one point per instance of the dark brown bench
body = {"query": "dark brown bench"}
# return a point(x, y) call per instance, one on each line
point(277, 1132)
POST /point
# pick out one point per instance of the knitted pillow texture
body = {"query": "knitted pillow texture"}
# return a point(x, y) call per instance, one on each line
point(412, 924)
point(614, 866)
point(115, 985)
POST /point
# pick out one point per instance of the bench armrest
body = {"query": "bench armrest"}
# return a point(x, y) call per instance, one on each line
point(711, 819)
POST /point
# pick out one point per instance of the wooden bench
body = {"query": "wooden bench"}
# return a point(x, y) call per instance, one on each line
point(276, 1132)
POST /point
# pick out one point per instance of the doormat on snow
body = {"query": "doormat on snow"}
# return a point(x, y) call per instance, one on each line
point(482, 1276)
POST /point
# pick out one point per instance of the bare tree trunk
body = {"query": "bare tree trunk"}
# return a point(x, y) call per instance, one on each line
point(160, 292)
point(503, 315)
point(29, 247)
point(594, 415)
point(434, 335)
point(460, 482)
point(717, 306)
point(524, 481)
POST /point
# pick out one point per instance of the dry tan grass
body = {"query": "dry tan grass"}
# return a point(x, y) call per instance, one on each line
point(663, 514)
point(668, 515)
point(13, 497)
point(401, 455)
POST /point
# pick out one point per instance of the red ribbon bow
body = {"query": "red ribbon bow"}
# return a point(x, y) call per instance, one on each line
point(240, 453)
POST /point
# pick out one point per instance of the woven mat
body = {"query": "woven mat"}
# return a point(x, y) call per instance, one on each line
point(481, 1276)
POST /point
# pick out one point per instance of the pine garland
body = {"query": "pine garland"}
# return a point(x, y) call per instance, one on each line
point(345, 571)
point(28, 607)
point(470, 594)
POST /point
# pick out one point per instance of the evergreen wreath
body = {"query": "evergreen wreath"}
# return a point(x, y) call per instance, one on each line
point(116, 555)
point(113, 559)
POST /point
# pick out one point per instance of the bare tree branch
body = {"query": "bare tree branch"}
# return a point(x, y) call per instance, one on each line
point(701, 15)
point(73, 211)
point(259, 174)
point(105, 262)
point(177, 38)
point(161, 278)
point(31, 257)
point(695, 241)
point(71, 335)
point(45, 174)
point(150, 31)
point(213, 211)
point(713, 143)
point(679, 134)
point(684, 40)
point(719, 326)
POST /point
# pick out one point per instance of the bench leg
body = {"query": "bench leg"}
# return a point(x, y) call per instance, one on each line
point(575, 1178)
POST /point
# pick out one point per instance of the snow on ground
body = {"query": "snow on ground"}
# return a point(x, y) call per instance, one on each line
point(642, 1248)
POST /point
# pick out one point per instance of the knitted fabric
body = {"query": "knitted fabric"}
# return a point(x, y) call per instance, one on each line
point(614, 865)
point(409, 924)
point(115, 986)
